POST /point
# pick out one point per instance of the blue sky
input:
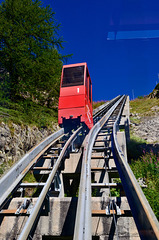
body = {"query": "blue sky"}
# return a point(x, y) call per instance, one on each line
point(116, 67)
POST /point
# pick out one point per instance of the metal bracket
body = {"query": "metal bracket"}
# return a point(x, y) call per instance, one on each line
point(73, 149)
point(113, 206)
point(57, 182)
point(46, 209)
point(30, 208)
point(21, 191)
point(25, 205)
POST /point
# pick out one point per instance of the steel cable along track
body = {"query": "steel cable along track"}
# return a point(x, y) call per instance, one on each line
point(45, 160)
point(97, 147)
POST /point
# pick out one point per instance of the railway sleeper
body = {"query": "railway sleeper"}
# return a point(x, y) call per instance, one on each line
point(99, 213)
point(106, 185)
point(112, 209)
point(96, 157)
point(101, 149)
point(26, 207)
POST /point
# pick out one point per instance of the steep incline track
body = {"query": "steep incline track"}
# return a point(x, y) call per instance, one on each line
point(100, 156)
point(102, 161)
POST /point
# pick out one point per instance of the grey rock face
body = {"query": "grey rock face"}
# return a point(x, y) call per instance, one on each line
point(148, 129)
point(16, 140)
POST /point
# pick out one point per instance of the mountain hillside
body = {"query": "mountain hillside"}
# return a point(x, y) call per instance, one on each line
point(155, 92)
point(144, 118)
point(143, 148)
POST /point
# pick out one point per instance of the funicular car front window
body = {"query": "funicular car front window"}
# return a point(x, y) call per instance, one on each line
point(73, 76)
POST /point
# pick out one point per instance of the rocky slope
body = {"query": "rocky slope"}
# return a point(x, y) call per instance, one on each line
point(147, 128)
point(16, 140)
point(155, 92)
point(144, 125)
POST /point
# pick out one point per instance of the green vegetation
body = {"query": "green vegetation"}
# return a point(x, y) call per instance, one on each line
point(147, 168)
point(157, 87)
point(30, 66)
point(143, 162)
point(143, 106)
point(98, 103)
point(135, 120)
point(4, 166)
point(115, 192)
point(30, 61)
point(140, 97)
point(27, 113)
point(135, 147)
point(29, 177)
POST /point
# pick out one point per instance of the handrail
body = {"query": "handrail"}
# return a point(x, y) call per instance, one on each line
point(10, 180)
point(146, 221)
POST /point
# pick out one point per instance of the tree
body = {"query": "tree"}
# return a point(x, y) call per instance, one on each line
point(29, 49)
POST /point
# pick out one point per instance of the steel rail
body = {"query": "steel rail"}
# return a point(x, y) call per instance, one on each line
point(11, 179)
point(29, 224)
point(104, 107)
point(145, 219)
point(83, 217)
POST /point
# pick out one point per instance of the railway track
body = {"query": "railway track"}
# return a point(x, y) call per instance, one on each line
point(103, 154)
point(102, 163)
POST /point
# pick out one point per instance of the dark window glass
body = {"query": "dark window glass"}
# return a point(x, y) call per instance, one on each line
point(90, 95)
point(87, 80)
point(73, 76)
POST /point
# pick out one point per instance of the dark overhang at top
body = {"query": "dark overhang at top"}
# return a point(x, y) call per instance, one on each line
point(132, 15)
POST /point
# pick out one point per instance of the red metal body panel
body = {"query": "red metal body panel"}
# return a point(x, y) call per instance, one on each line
point(88, 116)
point(71, 111)
point(75, 101)
point(72, 91)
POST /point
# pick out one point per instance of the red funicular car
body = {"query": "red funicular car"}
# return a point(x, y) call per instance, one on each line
point(75, 101)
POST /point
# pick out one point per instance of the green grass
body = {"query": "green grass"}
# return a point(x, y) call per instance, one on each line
point(147, 168)
point(5, 166)
point(23, 113)
point(29, 177)
point(27, 112)
point(143, 106)
point(145, 165)
point(135, 120)
point(98, 103)
point(143, 162)
point(115, 192)
point(135, 147)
